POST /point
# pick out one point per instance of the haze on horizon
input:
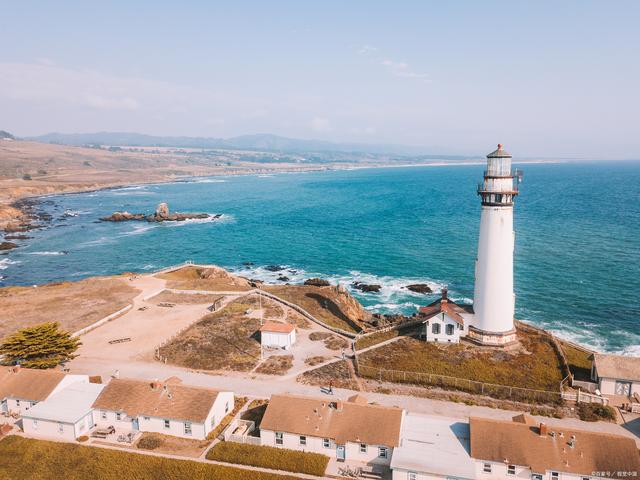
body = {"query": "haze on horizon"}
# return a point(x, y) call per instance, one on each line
point(546, 78)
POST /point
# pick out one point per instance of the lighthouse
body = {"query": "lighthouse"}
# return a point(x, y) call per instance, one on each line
point(492, 322)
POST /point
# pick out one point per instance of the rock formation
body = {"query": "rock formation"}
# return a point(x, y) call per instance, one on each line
point(419, 288)
point(364, 287)
point(317, 282)
point(161, 214)
point(7, 245)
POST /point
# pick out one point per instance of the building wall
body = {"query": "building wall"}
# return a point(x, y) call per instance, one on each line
point(19, 405)
point(49, 429)
point(401, 474)
point(493, 296)
point(224, 404)
point(315, 445)
point(499, 471)
point(443, 320)
point(276, 339)
point(607, 386)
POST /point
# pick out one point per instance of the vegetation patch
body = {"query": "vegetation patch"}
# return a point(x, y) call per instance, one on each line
point(276, 365)
point(204, 278)
point(337, 374)
point(41, 346)
point(47, 460)
point(375, 338)
point(166, 296)
point(534, 365)
point(317, 360)
point(224, 340)
point(185, 447)
point(331, 340)
point(270, 457)
point(593, 412)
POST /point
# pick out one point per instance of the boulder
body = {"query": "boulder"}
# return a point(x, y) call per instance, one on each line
point(283, 278)
point(364, 287)
point(316, 282)
point(162, 210)
point(419, 288)
point(274, 268)
point(7, 245)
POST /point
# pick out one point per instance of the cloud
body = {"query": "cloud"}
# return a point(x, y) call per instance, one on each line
point(366, 50)
point(402, 69)
point(320, 124)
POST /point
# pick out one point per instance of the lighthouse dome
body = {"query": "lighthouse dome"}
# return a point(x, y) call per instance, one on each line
point(499, 153)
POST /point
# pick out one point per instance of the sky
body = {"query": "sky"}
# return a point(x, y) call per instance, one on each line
point(545, 78)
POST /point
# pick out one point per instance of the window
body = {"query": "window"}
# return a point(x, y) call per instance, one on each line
point(449, 329)
point(103, 414)
point(303, 440)
point(187, 428)
point(363, 448)
point(18, 403)
point(486, 468)
point(279, 438)
point(554, 476)
point(118, 416)
point(435, 329)
point(536, 476)
point(586, 478)
point(35, 424)
point(412, 476)
point(326, 443)
point(226, 407)
point(167, 424)
point(147, 418)
point(383, 452)
point(511, 469)
point(60, 428)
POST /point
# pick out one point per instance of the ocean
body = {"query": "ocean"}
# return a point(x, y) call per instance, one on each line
point(577, 256)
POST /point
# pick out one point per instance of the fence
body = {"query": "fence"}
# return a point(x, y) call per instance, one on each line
point(582, 397)
point(106, 319)
point(503, 392)
point(230, 435)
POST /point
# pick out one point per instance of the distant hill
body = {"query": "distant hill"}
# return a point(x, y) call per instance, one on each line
point(4, 134)
point(263, 142)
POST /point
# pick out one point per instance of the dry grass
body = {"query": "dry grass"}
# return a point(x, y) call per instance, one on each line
point(185, 298)
point(209, 278)
point(375, 338)
point(325, 303)
point(270, 457)
point(331, 340)
point(317, 360)
point(298, 320)
point(172, 445)
point(535, 365)
point(74, 305)
point(225, 340)
point(317, 336)
point(276, 365)
point(579, 361)
point(55, 460)
point(338, 374)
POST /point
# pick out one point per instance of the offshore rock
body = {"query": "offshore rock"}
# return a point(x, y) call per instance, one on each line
point(317, 282)
point(162, 214)
point(419, 288)
point(7, 245)
point(364, 287)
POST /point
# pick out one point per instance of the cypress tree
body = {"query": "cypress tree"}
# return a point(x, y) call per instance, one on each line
point(40, 346)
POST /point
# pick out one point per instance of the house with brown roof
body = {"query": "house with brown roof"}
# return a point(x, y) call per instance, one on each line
point(616, 374)
point(277, 335)
point(351, 430)
point(444, 320)
point(22, 388)
point(166, 407)
point(524, 448)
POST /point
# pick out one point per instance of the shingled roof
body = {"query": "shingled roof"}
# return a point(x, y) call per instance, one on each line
point(277, 327)
point(518, 443)
point(444, 305)
point(28, 383)
point(617, 366)
point(153, 399)
point(338, 420)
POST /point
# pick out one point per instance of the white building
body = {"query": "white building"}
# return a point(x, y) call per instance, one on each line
point(444, 320)
point(22, 388)
point(525, 449)
point(277, 335)
point(349, 430)
point(433, 447)
point(161, 407)
point(493, 299)
point(65, 415)
point(616, 374)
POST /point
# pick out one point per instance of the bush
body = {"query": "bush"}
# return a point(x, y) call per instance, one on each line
point(26, 176)
point(270, 457)
point(83, 438)
point(150, 442)
point(592, 412)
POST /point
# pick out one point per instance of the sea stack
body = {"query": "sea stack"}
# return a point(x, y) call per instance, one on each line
point(494, 299)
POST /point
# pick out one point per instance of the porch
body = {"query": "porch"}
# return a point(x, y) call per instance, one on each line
point(116, 436)
point(357, 470)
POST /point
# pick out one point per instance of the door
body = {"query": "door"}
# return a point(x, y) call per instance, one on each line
point(135, 424)
point(623, 388)
point(4, 408)
point(341, 453)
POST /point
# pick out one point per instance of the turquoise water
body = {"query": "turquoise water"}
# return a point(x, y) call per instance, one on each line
point(577, 237)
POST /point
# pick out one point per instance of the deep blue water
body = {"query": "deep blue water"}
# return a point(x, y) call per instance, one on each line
point(577, 237)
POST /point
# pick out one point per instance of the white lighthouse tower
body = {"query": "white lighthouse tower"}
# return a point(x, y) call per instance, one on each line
point(493, 299)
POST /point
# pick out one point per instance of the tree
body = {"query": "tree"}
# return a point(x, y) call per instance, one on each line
point(40, 346)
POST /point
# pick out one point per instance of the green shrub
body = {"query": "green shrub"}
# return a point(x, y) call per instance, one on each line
point(592, 412)
point(270, 457)
point(150, 442)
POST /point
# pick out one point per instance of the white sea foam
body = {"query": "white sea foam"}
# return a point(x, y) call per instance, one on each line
point(98, 241)
point(209, 180)
point(6, 262)
point(47, 253)
point(212, 219)
point(138, 230)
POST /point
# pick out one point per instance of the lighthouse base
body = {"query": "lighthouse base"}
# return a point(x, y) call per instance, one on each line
point(491, 339)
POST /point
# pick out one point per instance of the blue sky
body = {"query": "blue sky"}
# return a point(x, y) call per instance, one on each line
point(545, 78)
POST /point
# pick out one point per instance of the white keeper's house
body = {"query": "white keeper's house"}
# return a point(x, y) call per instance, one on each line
point(277, 335)
point(351, 430)
point(616, 374)
point(162, 407)
point(22, 388)
point(444, 320)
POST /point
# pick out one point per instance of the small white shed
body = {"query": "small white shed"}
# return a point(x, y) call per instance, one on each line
point(277, 335)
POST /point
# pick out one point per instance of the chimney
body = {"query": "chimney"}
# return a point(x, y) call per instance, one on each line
point(544, 430)
point(155, 384)
point(444, 298)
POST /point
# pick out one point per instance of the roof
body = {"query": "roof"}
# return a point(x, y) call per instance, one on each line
point(516, 443)
point(153, 399)
point(499, 153)
point(277, 327)
point(69, 405)
point(28, 383)
point(617, 366)
point(442, 305)
point(341, 421)
point(359, 399)
point(436, 445)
